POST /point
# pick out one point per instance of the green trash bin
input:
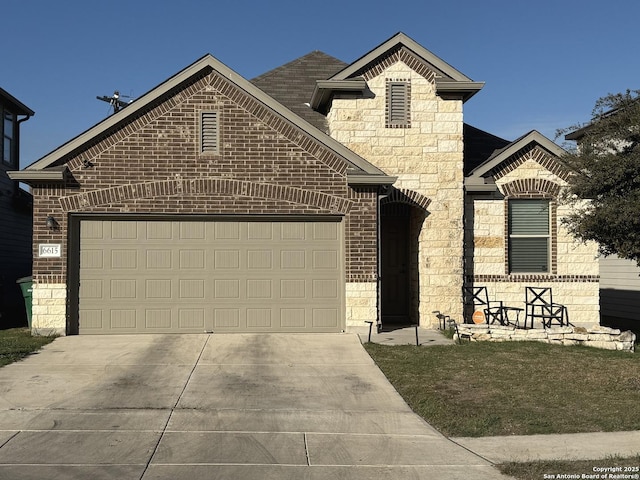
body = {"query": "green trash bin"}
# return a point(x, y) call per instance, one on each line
point(26, 285)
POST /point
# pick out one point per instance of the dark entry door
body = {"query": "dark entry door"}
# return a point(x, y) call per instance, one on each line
point(395, 271)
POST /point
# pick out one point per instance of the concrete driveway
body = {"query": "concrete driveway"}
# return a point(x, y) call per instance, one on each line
point(215, 407)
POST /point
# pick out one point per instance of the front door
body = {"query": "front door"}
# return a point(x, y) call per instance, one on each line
point(395, 270)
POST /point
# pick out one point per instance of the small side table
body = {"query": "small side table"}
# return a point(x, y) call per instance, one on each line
point(517, 311)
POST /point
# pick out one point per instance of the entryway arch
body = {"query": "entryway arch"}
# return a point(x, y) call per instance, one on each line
point(402, 214)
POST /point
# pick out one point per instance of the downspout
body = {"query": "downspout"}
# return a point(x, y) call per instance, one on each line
point(18, 122)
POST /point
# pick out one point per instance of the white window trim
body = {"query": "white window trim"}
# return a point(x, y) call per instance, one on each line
point(548, 236)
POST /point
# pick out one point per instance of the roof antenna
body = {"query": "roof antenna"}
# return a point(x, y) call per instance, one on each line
point(115, 101)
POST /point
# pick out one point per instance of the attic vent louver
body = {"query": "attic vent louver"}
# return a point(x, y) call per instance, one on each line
point(209, 132)
point(398, 104)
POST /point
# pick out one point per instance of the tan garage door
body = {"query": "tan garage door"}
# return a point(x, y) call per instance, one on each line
point(210, 276)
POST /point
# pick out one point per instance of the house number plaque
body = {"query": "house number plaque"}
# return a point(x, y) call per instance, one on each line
point(49, 250)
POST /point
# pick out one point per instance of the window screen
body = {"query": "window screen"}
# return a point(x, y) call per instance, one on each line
point(529, 236)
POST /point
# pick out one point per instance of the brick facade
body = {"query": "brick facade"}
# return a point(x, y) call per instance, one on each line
point(152, 165)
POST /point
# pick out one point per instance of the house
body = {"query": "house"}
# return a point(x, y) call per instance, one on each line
point(315, 197)
point(619, 277)
point(15, 214)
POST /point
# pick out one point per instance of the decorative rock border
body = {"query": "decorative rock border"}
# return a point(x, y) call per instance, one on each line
point(597, 336)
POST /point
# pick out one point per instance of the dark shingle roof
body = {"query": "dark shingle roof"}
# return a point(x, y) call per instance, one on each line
point(479, 146)
point(292, 84)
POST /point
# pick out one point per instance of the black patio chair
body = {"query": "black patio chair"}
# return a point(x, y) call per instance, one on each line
point(539, 305)
point(476, 299)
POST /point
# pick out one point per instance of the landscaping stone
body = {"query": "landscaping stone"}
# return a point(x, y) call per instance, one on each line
point(481, 337)
point(579, 337)
point(626, 337)
point(603, 329)
point(536, 334)
point(597, 336)
point(601, 344)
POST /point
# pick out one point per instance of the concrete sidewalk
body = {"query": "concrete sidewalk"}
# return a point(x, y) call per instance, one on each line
point(401, 336)
point(215, 406)
point(575, 446)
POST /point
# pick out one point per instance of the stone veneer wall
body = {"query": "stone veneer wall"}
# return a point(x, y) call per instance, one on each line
point(596, 336)
point(574, 276)
point(361, 303)
point(49, 308)
point(427, 159)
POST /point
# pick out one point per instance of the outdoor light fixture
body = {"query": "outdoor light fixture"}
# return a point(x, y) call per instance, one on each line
point(52, 224)
point(86, 163)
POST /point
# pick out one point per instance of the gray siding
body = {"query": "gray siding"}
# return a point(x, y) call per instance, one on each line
point(15, 249)
point(619, 288)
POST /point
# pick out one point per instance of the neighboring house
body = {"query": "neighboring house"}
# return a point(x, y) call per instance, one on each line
point(620, 292)
point(15, 215)
point(315, 197)
point(619, 279)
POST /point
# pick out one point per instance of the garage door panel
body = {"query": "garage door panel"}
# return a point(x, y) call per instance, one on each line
point(158, 319)
point(325, 318)
point(195, 276)
point(191, 319)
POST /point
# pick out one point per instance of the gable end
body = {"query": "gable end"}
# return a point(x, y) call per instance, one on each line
point(530, 152)
point(399, 54)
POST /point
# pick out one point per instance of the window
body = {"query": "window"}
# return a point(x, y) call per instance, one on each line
point(8, 138)
point(529, 236)
point(398, 104)
point(209, 132)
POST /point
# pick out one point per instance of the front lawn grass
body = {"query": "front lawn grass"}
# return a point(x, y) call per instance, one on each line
point(523, 388)
point(572, 469)
point(17, 343)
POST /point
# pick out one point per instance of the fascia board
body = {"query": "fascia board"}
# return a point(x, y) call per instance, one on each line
point(53, 176)
point(467, 89)
point(324, 89)
point(401, 38)
point(359, 179)
point(208, 61)
point(477, 185)
point(20, 108)
point(121, 115)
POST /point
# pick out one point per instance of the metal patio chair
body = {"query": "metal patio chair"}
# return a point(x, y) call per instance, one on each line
point(477, 304)
point(539, 305)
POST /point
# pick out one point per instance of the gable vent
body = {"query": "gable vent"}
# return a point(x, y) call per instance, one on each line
point(398, 105)
point(209, 132)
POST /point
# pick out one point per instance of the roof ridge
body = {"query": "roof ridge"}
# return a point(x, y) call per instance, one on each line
point(295, 61)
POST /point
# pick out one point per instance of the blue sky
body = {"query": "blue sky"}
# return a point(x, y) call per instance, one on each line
point(544, 62)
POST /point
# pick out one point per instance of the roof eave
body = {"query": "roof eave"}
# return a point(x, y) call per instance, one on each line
point(360, 179)
point(208, 61)
point(476, 184)
point(17, 106)
point(465, 89)
point(325, 89)
point(113, 120)
point(58, 175)
point(577, 135)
